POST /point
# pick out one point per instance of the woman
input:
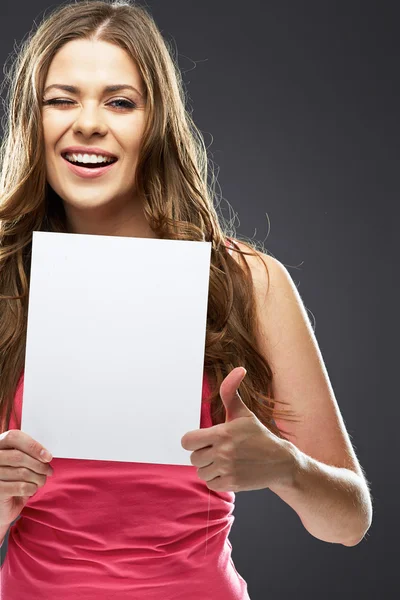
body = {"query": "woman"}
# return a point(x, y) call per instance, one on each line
point(96, 83)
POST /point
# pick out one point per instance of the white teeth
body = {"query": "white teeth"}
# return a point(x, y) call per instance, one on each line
point(89, 158)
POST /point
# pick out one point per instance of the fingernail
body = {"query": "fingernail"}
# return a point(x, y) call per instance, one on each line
point(46, 455)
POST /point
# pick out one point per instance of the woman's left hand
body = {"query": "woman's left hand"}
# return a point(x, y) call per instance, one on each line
point(241, 454)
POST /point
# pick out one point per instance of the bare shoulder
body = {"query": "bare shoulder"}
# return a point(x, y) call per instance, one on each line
point(257, 261)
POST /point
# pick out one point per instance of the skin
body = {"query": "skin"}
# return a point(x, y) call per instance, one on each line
point(106, 205)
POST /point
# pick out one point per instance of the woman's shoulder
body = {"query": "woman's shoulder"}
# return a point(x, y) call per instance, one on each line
point(255, 259)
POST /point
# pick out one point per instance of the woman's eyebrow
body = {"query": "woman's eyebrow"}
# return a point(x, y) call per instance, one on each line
point(75, 90)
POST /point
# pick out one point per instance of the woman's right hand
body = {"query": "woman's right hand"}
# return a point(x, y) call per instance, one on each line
point(22, 472)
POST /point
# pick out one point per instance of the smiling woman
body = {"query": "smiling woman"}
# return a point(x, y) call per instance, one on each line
point(96, 84)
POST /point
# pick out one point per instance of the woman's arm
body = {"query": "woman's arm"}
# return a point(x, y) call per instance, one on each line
point(333, 503)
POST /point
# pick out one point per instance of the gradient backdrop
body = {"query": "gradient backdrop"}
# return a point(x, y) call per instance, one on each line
point(299, 104)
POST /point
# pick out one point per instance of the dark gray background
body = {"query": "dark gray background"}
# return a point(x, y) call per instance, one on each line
point(299, 104)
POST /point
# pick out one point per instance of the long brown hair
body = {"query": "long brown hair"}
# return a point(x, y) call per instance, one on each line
point(171, 176)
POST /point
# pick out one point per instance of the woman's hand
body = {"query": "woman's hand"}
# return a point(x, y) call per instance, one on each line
point(240, 454)
point(22, 472)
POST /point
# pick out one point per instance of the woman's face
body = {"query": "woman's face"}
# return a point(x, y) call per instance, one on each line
point(92, 117)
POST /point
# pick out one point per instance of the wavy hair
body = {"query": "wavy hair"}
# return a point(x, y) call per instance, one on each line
point(171, 176)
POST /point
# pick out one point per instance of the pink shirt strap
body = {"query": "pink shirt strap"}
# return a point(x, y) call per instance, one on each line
point(229, 244)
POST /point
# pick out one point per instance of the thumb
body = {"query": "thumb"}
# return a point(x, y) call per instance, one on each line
point(230, 397)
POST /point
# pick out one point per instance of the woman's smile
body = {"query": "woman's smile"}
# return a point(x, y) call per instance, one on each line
point(89, 171)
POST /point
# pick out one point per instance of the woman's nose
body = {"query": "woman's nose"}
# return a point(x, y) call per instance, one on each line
point(88, 121)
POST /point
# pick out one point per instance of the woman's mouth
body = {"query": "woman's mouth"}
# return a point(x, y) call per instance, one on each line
point(89, 170)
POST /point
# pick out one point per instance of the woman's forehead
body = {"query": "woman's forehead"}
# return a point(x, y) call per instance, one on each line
point(94, 61)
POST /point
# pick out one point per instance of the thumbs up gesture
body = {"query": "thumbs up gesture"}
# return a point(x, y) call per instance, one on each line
point(240, 454)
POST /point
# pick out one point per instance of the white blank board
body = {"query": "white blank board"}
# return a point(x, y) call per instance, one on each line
point(115, 346)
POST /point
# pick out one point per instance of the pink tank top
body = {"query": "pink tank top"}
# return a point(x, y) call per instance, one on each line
point(105, 529)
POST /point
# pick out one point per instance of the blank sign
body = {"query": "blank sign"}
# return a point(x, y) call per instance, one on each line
point(115, 346)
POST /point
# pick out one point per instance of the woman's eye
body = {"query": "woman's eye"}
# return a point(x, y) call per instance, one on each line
point(55, 101)
point(125, 103)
